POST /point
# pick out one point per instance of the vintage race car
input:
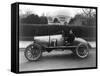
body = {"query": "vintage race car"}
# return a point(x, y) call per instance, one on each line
point(78, 46)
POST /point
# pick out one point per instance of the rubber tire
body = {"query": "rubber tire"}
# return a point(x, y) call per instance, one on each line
point(33, 45)
point(76, 53)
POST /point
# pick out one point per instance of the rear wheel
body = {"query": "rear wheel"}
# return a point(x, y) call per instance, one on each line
point(33, 52)
point(81, 50)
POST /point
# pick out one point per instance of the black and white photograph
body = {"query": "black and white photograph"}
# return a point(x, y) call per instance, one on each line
point(57, 37)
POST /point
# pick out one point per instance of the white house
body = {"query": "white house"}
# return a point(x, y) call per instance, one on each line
point(61, 18)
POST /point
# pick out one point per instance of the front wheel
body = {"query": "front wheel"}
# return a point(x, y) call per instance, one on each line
point(33, 52)
point(81, 50)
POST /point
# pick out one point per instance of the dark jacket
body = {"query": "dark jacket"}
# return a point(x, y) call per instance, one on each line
point(70, 38)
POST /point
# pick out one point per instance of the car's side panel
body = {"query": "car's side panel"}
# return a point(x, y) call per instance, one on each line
point(57, 42)
point(58, 39)
point(52, 40)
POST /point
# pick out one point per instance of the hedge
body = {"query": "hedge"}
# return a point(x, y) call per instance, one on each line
point(28, 31)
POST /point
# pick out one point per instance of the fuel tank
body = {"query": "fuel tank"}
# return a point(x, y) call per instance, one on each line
point(50, 40)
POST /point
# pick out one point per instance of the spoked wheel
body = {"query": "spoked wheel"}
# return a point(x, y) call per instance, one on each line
point(33, 52)
point(82, 51)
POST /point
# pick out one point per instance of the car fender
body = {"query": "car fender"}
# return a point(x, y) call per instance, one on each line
point(43, 47)
point(78, 41)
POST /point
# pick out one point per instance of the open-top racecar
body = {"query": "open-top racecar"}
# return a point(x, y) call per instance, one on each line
point(78, 46)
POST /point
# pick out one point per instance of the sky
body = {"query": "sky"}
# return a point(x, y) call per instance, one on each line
point(49, 10)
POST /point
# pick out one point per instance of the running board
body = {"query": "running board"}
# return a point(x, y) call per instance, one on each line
point(61, 47)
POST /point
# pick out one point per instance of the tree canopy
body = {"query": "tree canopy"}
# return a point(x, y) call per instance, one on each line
point(87, 17)
point(34, 19)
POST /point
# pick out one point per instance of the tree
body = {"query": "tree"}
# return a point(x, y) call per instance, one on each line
point(31, 19)
point(90, 15)
point(77, 18)
point(88, 12)
point(34, 19)
point(43, 20)
point(87, 17)
point(71, 20)
point(56, 20)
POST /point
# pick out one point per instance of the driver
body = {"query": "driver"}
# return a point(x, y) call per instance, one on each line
point(70, 37)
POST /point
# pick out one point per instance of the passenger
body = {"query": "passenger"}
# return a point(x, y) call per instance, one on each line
point(68, 38)
point(71, 36)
